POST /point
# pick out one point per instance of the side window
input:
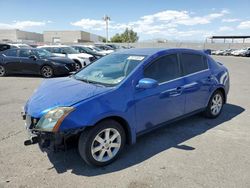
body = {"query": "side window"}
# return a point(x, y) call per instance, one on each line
point(48, 49)
point(57, 50)
point(24, 53)
point(164, 69)
point(193, 63)
point(11, 53)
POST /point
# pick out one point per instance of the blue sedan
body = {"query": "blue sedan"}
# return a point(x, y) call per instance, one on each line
point(120, 96)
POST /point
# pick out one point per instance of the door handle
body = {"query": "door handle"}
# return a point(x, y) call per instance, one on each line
point(172, 92)
point(210, 78)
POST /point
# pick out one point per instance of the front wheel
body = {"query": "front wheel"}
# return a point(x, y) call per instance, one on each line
point(102, 144)
point(47, 72)
point(2, 71)
point(215, 105)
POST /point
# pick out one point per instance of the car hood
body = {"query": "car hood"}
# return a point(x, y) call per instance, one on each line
point(62, 60)
point(60, 92)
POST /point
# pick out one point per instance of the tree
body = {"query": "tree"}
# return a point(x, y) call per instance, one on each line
point(127, 36)
point(116, 38)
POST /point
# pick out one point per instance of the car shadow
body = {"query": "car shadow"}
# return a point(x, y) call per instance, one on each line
point(148, 145)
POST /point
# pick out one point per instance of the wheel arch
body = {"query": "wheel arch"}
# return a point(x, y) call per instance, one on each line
point(77, 61)
point(124, 124)
point(222, 89)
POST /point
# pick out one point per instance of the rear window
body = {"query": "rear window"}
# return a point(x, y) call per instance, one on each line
point(4, 47)
point(193, 63)
point(10, 53)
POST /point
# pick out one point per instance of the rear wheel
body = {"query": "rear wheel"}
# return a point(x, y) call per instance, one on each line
point(2, 71)
point(47, 71)
point(102, 144)
point(215, 105)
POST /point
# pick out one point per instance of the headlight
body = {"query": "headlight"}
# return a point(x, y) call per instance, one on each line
point(52, 120)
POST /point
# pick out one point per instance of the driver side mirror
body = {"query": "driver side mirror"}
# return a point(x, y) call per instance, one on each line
point(33, 57)
point(146, 83)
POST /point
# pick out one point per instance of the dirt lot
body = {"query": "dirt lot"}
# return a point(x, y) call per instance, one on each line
point(194, 152)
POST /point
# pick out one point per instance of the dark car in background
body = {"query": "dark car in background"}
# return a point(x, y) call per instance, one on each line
point(35, 62)
point(84, 49)
point(103, 47)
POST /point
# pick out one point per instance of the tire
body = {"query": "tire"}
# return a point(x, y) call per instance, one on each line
point(215, 105)
point(2, 71)
point(78, 66)
point(106, 150)
point(47, 71)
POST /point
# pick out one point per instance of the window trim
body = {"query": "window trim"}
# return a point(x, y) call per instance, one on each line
point(181, 68)
point(157, 58)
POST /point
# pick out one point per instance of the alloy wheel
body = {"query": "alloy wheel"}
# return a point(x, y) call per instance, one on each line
point(216, 105)
point(2, 70)
point(77, 66)
point(47, 72)
point(106, 145)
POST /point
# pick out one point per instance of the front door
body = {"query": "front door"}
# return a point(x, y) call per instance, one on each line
point(164, 102)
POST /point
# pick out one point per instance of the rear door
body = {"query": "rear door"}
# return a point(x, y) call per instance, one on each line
point(198, 81)
point(29, 65)
point(12, 61)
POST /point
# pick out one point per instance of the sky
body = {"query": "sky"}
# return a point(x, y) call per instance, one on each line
point(151, 19)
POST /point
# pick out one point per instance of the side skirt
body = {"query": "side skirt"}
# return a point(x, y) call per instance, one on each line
point(169, 122)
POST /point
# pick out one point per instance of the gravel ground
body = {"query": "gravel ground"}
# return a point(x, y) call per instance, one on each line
point(195, 152)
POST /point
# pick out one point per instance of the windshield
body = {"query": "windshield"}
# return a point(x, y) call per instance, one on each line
point(110, 70)
point(69, 50)
point(42, 54)
point(87, 49)
point(95, 48)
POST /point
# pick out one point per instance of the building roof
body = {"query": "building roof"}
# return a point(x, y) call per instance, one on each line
point(229, 37)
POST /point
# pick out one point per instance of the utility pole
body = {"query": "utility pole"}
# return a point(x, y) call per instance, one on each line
point(106, 18)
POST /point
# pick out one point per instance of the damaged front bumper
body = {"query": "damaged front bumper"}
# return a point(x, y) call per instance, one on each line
point(52, 141)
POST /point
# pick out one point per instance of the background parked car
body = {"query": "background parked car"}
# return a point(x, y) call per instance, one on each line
point(82, 59)
point(97, 49)
point(104, 47)
point(242, 52)
point(34, 61)
point(84, 49)
point(4, 46)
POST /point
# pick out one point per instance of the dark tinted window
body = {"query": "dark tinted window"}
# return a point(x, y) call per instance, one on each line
point(193, 63)
point(164, 69)
point(4, 47)
point(57, 50)
point(25, 53)
point(11, 53)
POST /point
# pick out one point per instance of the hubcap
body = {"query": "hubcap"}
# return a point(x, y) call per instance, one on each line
point(216, 104)
point(47, 72)
point(2, 70)
point(106, 145)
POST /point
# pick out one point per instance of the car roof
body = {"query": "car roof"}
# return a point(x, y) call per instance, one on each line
point(53, 46)
point(152, 51)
